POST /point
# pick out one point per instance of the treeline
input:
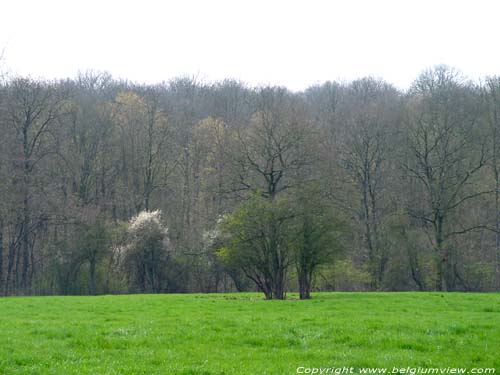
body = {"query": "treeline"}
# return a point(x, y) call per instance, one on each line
point(408, 180)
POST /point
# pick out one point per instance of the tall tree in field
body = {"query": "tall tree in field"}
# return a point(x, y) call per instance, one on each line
point(370, 115)
point(315, 237)
point(32, 108)
point(256, 239)
point(492, 98)
point(4, 190)
point(184, 99)
point(93, 244)
point(445, 155)
point(269, 156)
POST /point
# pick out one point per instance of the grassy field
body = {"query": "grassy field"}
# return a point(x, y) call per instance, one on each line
point(243, 334)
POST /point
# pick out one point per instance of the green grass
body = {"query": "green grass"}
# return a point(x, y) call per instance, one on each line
point(243, 334)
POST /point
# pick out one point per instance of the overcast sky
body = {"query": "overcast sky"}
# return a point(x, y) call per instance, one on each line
point(290, 43)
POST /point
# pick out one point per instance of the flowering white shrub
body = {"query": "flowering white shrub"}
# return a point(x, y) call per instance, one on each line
point(144, 219)
point(147, 253)
point(212, 236)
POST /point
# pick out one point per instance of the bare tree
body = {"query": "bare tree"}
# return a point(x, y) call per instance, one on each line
point(492, 98)
point(445, 154)
point(271, 151)
point(32, 108)
point(370, 115)
point(144, 145)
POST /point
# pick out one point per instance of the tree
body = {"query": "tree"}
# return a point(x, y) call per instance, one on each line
point(492, 99)
point(445, 154)
point(144, 148)
point(270, 152)
point(88, 134)
point(316, 236)
point(370, 117)
point(269, 158)
point(93, 244)
point(256, 239)
point(32, 108)
point(3, 186)
point(147, 254)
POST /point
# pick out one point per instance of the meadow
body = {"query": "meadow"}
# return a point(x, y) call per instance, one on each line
point(244, 334)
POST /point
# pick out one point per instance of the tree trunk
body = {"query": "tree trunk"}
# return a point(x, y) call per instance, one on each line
point(92, 266)
point(372, 258)
point(265, 287)
point(441, 256)
point(25, 246)
point(10, 264)
point(26, 221)
point(415, 269)
point(304, 286)
point(278, 284)
point(496, 172)
point(304, 274)
point(279, 291)
point(497, 213)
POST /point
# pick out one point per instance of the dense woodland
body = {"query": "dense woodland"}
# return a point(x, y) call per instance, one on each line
point(344, 186)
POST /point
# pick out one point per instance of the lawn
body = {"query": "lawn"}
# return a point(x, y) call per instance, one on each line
point(244, 334)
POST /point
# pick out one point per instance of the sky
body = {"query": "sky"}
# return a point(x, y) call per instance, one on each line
point(289, 43)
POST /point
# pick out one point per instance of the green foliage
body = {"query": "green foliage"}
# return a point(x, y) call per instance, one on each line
point(93, 239)
point(480, 273)
point(316, 227)
point(256, 238)
point(245, 230)
point(76, 261)
point(344, 275)
point(263, 237)
point(315, 235)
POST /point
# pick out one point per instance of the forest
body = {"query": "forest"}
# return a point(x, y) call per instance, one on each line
point(109, 186)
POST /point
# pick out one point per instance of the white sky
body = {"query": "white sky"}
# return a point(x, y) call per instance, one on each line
point(291, 43)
